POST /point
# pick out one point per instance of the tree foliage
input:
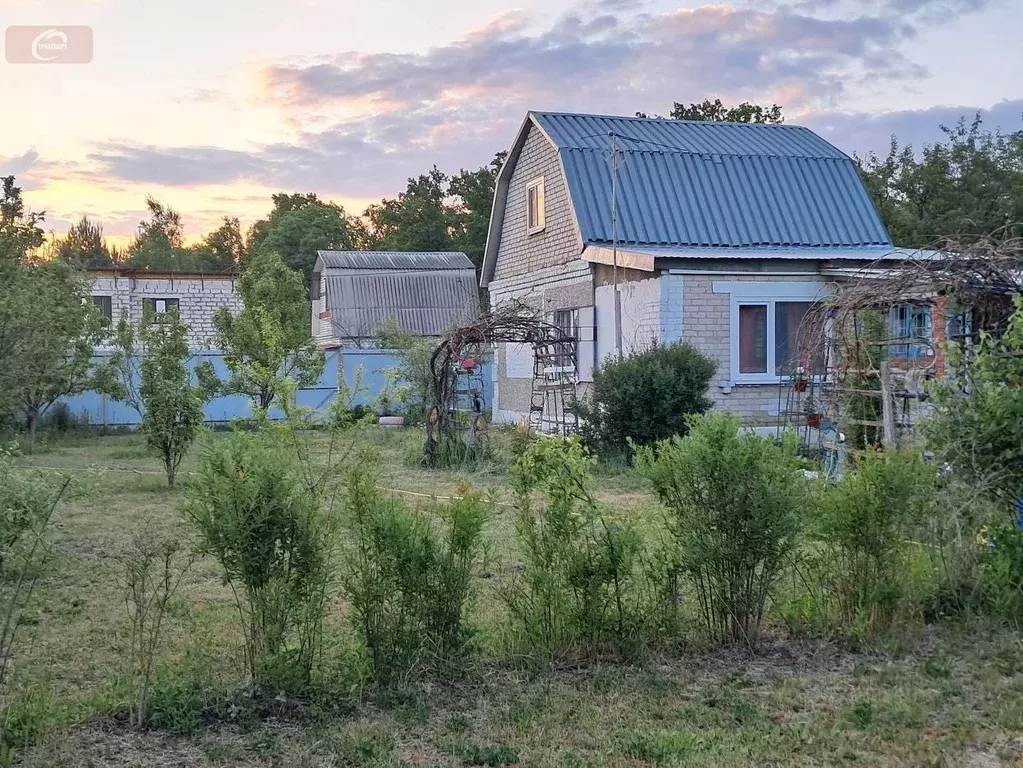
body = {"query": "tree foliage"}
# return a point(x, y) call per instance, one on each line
point(20, 230)
point(84, 245)
point(48, 327)
point(267, 342)
point(978, 423)
point(967, 186)
point(297, 227)
point(734, 501)
point(436, 213)
point(172, 413)
point(646, 396)
point(716, 111)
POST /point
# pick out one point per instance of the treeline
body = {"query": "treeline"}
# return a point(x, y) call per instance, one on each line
point(967, 185)
point(435, 212)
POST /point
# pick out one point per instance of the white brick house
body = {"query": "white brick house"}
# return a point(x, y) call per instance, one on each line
point(124, 294)
point(725, 235)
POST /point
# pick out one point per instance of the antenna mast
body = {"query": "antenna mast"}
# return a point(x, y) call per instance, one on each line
point(614, 241)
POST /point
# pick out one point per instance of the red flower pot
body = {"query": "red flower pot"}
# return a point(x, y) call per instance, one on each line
point(800, 385)
point(813, 420)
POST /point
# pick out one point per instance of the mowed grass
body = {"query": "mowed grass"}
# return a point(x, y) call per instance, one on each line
point(929, 695)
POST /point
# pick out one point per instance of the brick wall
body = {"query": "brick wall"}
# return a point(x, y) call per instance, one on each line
point(519, 252)
point(198, 297)
point(706, 324)
point(547, 289)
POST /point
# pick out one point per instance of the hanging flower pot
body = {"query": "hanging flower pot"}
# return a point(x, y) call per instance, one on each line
point(800, 385)
point(813, 420)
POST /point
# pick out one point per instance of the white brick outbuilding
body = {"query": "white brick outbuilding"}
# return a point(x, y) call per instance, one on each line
point(124, 293)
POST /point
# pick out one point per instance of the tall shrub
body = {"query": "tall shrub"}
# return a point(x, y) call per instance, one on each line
point(734, 501)
point(409, 576)
point(977, 426)
point(172, 407)
point(646, 396)
point(577, 588)
point(262, 521)
point(865, 524)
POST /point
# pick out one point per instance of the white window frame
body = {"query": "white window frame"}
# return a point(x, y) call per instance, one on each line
point(541, 214)
point(763, 294)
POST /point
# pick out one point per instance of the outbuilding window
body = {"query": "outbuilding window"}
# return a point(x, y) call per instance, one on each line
point(160, 306)
point(103, 304)
point(535, 206)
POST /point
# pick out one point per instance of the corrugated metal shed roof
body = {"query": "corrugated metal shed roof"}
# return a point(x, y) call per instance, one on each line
point(427, 302)
point(394, 260)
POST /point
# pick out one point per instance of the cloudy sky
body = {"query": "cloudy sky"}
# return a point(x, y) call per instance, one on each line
point(213, 105)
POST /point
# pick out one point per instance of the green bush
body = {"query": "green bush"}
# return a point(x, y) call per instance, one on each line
point(645, 396)
point(25, 501)
point(265, 527)
point(579, 587)
point(865, 526)
point(734, 504)
point(1001, 572)
point(410, 581)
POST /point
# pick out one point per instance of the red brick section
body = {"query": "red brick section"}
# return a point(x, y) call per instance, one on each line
point(938, 333)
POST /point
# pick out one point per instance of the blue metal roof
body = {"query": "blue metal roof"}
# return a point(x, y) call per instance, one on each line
point(712, 184)
point(692, 136)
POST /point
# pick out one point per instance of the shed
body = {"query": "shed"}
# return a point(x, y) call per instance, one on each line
point(355, 292)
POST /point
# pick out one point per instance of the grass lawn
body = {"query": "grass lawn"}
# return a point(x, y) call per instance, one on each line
point(931, 695)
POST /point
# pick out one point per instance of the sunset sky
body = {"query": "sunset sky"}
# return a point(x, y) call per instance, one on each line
point(212, 106)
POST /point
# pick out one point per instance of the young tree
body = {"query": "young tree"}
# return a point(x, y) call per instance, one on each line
point(172, 407)
point(53, 327)
point(268, 341)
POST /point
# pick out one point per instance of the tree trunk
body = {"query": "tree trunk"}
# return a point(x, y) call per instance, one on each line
point(32, 422)
point(168, 465)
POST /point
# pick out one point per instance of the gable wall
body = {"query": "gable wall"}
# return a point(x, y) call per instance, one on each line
point(519, 252)
point(199, 297)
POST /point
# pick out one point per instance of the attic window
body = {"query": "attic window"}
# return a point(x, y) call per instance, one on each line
point(534, 206)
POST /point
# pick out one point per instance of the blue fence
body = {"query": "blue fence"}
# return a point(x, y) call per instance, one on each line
point(99, 409)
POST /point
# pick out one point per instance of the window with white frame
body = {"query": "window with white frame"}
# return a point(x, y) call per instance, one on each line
point(768, 336)
point(160, 306)
point(766, 319)
point(910, 322)
point(534, 206)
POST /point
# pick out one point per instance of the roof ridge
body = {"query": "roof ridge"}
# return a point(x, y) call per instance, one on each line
point(665, 150)
point(667, 120)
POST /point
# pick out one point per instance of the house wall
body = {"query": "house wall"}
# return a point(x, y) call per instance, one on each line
point(521, 253)
point(199, 298)
point(562, 287)
point(706, 324)
point(641, 316)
